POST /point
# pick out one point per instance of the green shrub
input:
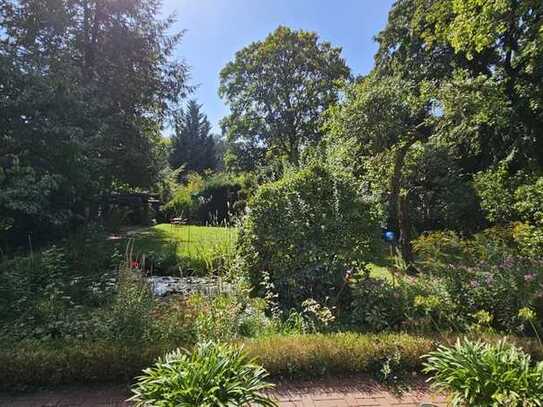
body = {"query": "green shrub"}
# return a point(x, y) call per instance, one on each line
point(55, 363)
point(213, 375)
point(431, 307)
point(316, 355)
point(529, 239)
point(419, 305)
point(212, 199)
point(306, 230)
point(528, 199)
point(501, 289)
point(377, 304)
point(182, 203)
point(131, 319)
point(482, 375)
point(488, 272)
point(76, 361)
point(436, 250)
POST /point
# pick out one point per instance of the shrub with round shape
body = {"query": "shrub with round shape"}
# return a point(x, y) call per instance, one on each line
point(212, 375)
point(306, 231)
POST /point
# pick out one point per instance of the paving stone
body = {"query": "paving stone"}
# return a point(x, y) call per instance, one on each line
point(354, 394)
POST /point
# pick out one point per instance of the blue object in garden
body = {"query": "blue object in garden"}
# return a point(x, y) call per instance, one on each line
point(390, 236)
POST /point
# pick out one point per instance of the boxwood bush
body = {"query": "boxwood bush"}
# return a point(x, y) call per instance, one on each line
point(306, 231)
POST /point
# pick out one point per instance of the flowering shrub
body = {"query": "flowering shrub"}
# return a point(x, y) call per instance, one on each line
point(492, 272)
point(500, 288)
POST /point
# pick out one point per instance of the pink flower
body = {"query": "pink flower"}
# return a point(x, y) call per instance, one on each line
point(529, 277)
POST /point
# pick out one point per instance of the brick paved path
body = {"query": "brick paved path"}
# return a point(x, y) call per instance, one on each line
point(350, 393)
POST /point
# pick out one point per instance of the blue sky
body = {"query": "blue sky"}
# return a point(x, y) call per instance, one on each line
point(216, 29)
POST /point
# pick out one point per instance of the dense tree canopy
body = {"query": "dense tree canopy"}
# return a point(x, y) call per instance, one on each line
point(457, 88)
point(490, 53)
point(276, 90)
point(84, 88)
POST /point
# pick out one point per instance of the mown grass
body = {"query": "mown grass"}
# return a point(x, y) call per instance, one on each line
point(196, 249)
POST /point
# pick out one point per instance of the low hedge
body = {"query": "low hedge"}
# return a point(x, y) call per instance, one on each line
point(300, 356)
point(342, 353)
point(52, 364)
point(42, 364)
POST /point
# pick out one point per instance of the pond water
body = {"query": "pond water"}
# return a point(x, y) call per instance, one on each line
point(167, 285)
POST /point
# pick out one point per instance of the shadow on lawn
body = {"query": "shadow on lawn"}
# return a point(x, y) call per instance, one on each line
point(183, 250)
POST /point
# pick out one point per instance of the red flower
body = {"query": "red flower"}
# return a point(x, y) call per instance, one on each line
point(135, 264)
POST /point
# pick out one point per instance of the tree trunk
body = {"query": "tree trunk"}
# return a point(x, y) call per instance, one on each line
point(395, 185)
point(398, 218)
point(406, 249)
point(294, 153)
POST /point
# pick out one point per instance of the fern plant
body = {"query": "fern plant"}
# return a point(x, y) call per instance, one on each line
point(212, 375)
point(481, 374)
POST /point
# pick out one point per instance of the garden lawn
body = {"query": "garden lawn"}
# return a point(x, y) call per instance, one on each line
point(197, 249)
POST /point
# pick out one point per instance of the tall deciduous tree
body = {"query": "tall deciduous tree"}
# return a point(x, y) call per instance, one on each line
point(276, 90)
point(384, 118)
point(478, 49)
point(506, 38)
point(193, 147)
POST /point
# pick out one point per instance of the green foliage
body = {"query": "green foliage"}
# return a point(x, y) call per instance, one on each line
point(210, 200)
point(480, 374)
point(380, 120)
point(61, 295)
point(379, 113)
point(377, 304)
point(496, 42)
point(317, 355)
point(50, 294)
point(213, 375)
point(528, 198)
point(441, 195)
point(85, 91)
point(484, 273)
point(306, 230)
point(229, 316)
point(131, 311)
point(193, 250)
point(419, 305)
point(496, 191)
point(529, 239)
point(54, 363)
point(193, 147)
point(276, 90)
